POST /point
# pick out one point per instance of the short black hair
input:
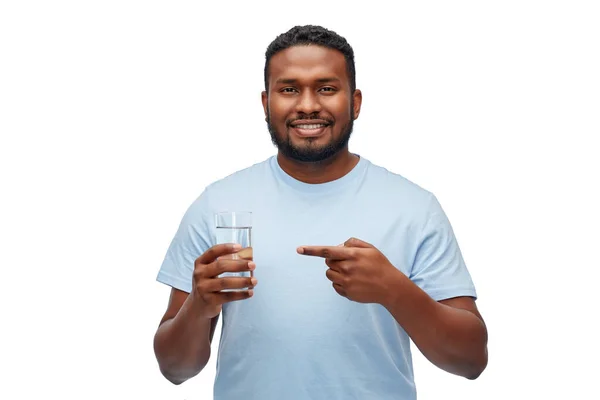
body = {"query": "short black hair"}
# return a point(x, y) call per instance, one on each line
point(317, 35)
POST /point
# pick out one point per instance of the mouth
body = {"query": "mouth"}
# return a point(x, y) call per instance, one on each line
point(309, 129)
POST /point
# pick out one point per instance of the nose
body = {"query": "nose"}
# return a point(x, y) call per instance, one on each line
point(308, 103)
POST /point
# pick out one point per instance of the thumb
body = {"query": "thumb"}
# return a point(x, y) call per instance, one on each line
point(354, 242)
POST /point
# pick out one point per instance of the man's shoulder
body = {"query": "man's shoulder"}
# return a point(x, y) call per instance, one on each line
point(395, 183)
point(245, 178)
point(391, 192)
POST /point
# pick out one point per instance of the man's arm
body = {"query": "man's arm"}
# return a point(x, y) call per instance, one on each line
point(450, 333)
point(183, 338)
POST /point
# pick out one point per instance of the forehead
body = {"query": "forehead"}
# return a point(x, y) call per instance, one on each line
point(308, 62)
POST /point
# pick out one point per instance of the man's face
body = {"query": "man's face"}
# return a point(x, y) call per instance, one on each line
point(309, 107)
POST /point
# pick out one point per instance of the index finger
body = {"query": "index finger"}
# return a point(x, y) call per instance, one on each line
point(218, 250)
point(330, 252)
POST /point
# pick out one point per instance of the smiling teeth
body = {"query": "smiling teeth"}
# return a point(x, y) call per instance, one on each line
point(311, 126)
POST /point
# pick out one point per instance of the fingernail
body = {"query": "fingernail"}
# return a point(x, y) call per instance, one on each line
point(251, 265)
point(254, 281)
point(300, 250)
point(237, 247)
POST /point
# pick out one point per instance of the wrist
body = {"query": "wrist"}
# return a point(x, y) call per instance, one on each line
point(394, 287)
point(194, 309)
point(405, 300)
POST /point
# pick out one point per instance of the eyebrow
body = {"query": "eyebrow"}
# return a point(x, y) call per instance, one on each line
point(292, 80)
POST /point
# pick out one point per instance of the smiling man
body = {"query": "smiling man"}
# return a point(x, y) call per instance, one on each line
point(353, 261)
point(308, 113)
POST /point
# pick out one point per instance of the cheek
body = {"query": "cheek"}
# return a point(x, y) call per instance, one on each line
point(339, 106)
point(279, 109)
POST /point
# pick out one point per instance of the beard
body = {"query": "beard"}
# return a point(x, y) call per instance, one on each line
point(310, 153)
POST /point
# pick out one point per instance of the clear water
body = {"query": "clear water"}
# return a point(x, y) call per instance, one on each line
point(241, 235)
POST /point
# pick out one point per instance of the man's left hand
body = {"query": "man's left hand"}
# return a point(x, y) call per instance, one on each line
point(357, 269)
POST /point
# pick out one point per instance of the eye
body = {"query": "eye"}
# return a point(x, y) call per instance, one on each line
point(327, 89)
point(288, 90)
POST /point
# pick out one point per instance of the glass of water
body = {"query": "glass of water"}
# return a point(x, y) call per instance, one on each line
point(236, 227)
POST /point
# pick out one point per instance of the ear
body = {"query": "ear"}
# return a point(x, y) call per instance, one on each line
point(265, 102)
point(357, 95)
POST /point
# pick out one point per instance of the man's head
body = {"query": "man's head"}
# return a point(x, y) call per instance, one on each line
point(310, 100)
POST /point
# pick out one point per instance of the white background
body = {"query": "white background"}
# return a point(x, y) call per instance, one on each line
point(114, 115)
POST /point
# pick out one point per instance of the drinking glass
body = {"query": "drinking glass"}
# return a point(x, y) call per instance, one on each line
point(235, 227)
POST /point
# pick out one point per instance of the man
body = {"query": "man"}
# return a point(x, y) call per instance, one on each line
point(353, 261)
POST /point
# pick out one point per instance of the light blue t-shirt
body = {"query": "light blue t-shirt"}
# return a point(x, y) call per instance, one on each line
point(296, 338)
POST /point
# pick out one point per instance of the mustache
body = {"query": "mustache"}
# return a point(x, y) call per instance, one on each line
point(308, 117)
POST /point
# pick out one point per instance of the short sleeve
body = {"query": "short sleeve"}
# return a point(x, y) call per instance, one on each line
point(192, 239)
point(439, 268)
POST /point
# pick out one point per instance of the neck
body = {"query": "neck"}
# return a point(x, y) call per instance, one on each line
point(324, 171)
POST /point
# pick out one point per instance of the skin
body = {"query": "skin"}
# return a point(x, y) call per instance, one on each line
point(311, 81)
point(308, 84)
point(182, 340)
point(450, 333)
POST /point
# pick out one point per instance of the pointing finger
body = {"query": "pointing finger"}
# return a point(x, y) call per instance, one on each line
point(331, 252)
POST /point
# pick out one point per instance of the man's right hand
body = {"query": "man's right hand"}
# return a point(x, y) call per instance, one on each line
point(207, 286)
